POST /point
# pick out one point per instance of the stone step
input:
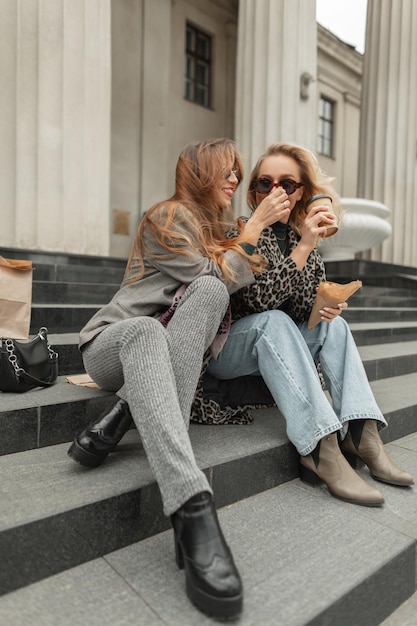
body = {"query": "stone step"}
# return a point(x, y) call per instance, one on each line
point(72, 293)
point(44, 417)
point(89, 268)
point(395, 280)
point(54, 292)
point(78, 273)
point(389, 360)
point(382, 300)
point(64, 514)
point(65, 318)
point(369, 333)
point(380, 314)
point(405, 615)
point(101, 532)
point(63, 258)
point(364, 269)
point(305, 557)
point(374, 290)
point(61, 318)
point(66, 344)
point(380, 360)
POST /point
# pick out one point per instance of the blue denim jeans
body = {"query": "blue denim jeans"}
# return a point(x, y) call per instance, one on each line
point(285, 354)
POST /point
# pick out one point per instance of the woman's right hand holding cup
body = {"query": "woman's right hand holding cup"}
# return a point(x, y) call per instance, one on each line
point(321, 220)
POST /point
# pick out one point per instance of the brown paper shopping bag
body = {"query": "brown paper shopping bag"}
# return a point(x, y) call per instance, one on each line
point(15, 298)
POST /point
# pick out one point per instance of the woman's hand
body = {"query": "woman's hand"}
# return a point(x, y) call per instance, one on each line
point(312, 230)
point(318, 219)
point(273, 208)
point(329, 313)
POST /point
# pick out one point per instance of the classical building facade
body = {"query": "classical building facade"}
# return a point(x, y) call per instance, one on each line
point(99, 97)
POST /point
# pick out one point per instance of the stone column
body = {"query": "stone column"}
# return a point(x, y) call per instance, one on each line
point(387, 162)
point(276, 97)
point(55, 125)
point(155, 166)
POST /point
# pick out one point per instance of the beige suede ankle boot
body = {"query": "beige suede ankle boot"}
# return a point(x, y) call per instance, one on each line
point(363, 441)
point(327, 464)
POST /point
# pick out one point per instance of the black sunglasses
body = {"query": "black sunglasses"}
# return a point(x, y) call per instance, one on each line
point(265, 185)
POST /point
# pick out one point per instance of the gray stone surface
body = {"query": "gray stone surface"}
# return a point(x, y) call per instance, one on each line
point(405, 615)
point(395, 393)
point(396, 398)
point(284, 542)
point(46, 473)
point(56, 501)
point(47, 482)
point(400, 509)
point(89, 595)
point(19, 429)
point(72, 292)
point(43, 417)
point(215, 444)
point(386, 360)
point(58, 504)
point(60, 393)
point(402, 348)
point(377, 314)
point(305, 557)
point(61, 318)
point(394, 326)
point(368, 333)
point(48, 416)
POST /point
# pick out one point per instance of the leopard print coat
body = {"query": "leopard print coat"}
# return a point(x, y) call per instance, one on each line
point(280, 285)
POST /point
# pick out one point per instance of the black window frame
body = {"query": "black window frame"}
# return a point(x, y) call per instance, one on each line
point(198, 66)
point(326, 127)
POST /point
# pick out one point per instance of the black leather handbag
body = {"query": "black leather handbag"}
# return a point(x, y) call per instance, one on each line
point(26, 365)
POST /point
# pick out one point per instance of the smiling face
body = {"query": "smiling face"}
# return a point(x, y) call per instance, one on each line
point(279, 168)
point(227, 186)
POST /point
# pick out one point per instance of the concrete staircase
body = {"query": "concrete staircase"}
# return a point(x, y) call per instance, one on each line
point(90, 547)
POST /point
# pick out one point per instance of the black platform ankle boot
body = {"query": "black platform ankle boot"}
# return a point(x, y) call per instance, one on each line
point(213, 583)
point(94, 443)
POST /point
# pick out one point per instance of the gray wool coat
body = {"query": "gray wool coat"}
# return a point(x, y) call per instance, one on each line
point(153, 294)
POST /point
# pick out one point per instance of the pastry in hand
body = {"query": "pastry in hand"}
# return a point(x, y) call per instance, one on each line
point(330, 294)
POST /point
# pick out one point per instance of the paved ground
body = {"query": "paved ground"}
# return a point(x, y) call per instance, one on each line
point(285, 542)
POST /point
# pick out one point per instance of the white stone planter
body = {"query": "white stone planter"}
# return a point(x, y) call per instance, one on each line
point(364, 225)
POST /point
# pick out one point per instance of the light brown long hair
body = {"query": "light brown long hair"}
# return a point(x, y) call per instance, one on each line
point(311, 175)
point(199, 168)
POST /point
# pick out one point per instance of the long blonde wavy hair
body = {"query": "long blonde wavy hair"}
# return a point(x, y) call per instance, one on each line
point(314, 180)
point(199, 168)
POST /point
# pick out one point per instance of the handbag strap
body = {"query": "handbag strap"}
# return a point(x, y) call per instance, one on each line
point(31, 379)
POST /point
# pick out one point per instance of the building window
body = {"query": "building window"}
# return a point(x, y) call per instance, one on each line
point(198, 47)
point(326, 127)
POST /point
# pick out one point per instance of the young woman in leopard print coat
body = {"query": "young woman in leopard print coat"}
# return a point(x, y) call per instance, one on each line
point(270, 336)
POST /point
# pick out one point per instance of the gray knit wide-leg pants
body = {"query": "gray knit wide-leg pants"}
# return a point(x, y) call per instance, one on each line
point(156, 370)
